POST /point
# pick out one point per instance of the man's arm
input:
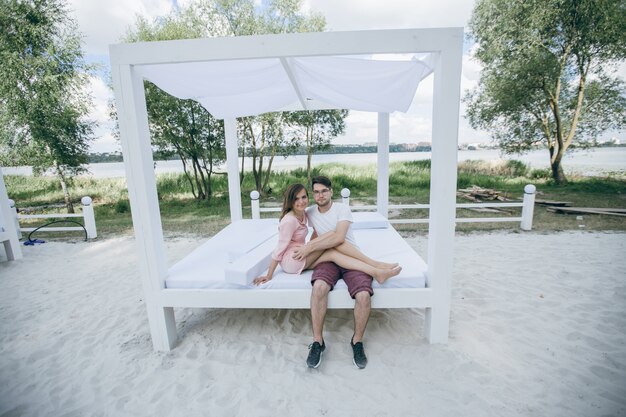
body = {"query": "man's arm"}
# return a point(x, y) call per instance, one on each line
point(325, 241)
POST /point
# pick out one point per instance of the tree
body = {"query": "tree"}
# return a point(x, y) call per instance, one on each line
point(43, 106)
point(182, 127)
point(263, 137)
point(547, 76)
point(318, 128)
point(185, 128)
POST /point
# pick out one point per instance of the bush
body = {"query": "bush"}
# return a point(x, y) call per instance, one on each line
point(504, 168)
point(122, 206)
point(515, 168)
point(540, 174)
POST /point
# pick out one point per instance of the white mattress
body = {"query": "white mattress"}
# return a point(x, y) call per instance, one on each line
point(241, 252)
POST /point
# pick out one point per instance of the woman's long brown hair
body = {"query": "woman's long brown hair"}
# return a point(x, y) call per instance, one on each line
point(290, 197)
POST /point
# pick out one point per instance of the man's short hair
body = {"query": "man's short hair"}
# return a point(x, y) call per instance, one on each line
point(325, 181)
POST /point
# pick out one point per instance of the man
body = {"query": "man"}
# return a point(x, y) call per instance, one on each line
point(332, 224)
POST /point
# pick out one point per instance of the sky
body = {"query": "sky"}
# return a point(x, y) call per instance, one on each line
point(105, 22)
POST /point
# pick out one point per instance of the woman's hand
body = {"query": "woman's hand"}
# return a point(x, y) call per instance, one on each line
point(261, 280)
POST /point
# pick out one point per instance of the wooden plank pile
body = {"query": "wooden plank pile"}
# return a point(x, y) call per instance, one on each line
point(589, 210)
point(565, 207)
point(479, 195)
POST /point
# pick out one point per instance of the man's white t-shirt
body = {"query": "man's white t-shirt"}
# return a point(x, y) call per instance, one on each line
point(327, 222)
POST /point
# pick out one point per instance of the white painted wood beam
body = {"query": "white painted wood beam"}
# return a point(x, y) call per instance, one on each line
point(284, 45)
point(232, 167)
point(135, 139)
point(294, 83)
point(382, 189)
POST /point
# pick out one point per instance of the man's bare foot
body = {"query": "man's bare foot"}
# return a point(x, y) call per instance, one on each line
point(386, 265)
point(384, 274)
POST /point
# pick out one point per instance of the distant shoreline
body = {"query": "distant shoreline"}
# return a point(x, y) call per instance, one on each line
point(341, 150)
point(590, 162)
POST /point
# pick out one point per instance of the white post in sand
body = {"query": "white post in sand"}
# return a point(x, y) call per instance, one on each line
point(8, 236)
point(18, 230)
point(443, 174)
point(254, 204)
point(382, 189)
point(528, 208)
point(232, 158)
point(130, 102)
point(89, 218)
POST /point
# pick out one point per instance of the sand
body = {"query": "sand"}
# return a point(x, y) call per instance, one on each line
point(538, 328)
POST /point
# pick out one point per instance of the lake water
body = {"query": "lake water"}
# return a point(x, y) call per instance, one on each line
point(597, 161)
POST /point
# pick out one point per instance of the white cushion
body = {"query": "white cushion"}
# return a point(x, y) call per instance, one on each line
point(369, 220)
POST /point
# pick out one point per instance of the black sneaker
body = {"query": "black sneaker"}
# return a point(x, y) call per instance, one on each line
point(315, 354)
point(359, 358)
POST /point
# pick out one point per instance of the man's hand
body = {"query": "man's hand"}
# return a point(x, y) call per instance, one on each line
point(301, 253)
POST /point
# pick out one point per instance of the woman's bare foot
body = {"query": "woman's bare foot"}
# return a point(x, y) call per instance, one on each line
point(385, 265)
point(384, 274)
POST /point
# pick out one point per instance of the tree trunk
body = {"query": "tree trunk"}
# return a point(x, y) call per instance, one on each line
point(268, 171)
point(557, 173)
point(66, 192)
point(243, 160)
point(187, 175)
point(309, 153)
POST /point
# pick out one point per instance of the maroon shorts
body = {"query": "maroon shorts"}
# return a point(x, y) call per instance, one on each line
point(330, 273)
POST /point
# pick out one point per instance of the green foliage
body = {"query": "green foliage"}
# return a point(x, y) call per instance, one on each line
point(122, 206)
point(540, 174)
point(317, 128)
point(547, 73)
point(509, 168)
point(409, 183)
point(42, 72)
point(262, 138)
point(182, 127)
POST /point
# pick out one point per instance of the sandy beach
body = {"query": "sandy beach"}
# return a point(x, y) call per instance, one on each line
point(538, 328)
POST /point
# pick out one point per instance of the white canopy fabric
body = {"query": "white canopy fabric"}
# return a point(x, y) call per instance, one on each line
point(237, 88)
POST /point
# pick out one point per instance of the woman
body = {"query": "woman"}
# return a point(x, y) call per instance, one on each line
point(292, 231)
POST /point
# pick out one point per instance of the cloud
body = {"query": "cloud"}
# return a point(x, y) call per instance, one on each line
point(391, 14)
point(101, 95)
point(105, 22)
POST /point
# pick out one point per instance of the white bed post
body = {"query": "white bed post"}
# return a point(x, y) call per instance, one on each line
point(382, 189)
point(9, 236)
point(232, 159)
point(135, 138)
point(446, 96)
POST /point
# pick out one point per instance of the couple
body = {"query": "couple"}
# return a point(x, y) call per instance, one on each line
point(332, 253)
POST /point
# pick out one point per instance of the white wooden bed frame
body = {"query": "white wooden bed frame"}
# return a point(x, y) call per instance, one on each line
point(126, 59)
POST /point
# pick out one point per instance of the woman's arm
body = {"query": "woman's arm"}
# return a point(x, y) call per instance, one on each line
point(286, 229)
point(270, 273)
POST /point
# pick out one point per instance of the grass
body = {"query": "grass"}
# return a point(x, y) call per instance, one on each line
point(409, 183)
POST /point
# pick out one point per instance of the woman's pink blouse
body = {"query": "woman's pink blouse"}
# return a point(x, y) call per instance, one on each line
point(291, 234)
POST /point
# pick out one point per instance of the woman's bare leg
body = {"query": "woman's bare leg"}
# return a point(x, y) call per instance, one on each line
point(380, 274)
point(352, 251)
